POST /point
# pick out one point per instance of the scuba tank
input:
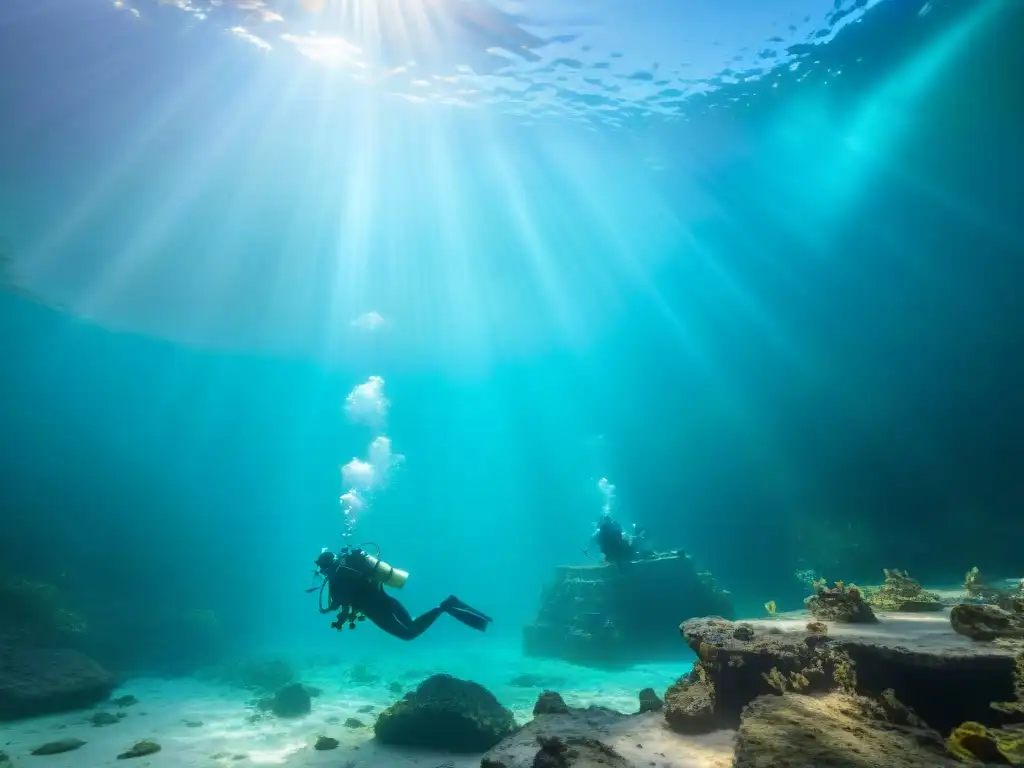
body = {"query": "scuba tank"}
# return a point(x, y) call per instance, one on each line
point(379, 571)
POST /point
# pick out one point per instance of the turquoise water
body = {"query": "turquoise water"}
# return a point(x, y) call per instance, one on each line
point(752, 264)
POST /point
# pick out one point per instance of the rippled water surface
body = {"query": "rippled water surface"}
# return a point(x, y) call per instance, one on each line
point(599, 61)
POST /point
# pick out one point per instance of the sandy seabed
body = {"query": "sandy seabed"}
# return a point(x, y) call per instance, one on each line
point(203, 724)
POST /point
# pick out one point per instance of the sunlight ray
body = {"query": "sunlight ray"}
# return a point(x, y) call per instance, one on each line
point(542, 262)
point(43, 254)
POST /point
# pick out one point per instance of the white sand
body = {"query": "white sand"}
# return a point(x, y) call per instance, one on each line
point(203, 725)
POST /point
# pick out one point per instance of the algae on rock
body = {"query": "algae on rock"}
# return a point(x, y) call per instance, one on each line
point(902, 593)
point(839, 603)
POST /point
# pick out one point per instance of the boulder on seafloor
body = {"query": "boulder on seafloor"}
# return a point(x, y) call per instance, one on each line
point(986, 622)
point(835, 729)
point(650, 701)
point(292, 700)
point(973, 743)
point(325, 744)
point(902, 593)
point(608, 616)
point(446, 713)
point(100, 719)
point(690, 704)
point(946, 678)
point(58, 747)
point(839, 603)
point(42, 681)
point(142, 748)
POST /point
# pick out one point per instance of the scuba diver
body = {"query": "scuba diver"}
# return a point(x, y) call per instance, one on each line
point(618, 547)
point(355, 582)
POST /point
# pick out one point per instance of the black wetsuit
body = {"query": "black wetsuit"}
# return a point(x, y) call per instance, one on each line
point(354, 594)
point(613, 543)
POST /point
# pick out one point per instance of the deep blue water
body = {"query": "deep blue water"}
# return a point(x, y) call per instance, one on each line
point(777, 307)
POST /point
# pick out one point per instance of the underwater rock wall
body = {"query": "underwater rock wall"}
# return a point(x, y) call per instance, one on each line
point(606, 616)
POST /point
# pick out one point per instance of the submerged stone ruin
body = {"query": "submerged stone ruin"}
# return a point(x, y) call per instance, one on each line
point(604, 615)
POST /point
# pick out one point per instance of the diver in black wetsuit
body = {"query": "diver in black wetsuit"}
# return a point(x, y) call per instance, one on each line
point(355, 583)
point(618, 547)
point(614, 544)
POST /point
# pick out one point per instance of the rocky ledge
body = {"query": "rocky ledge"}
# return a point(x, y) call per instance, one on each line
point(905, 691)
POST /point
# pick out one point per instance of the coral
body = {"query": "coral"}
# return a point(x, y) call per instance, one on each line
point(817, 627)
point(975, 586)
point(972, 742)
point(1015, 707)
point(446, 713)
point(844, 673)
point(839, 603)
point(902, 593)
point(796, 681)
point(1011, 600)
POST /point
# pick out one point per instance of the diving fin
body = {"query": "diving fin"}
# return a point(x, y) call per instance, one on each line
point(464, 613)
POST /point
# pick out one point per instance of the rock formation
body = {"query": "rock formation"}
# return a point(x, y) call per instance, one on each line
point(42, 681)
point(945, 677)
point(839, 603)
point(607, 616)
point(448, 714)
point(905, 692)
point(902, 593)
point(292, 700)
